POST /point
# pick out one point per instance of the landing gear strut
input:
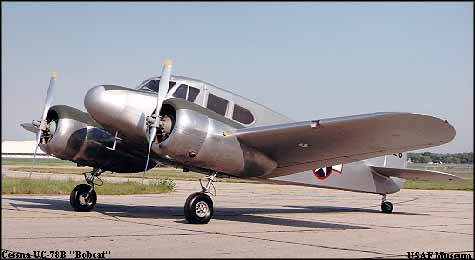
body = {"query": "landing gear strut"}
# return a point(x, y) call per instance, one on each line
point(83, 197)
point(386, 206)
point(199, 205)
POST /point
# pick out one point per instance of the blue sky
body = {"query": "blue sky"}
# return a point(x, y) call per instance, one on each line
point(305, 60)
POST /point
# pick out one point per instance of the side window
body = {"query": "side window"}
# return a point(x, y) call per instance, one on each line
point(217, 104)
point(154, 84)
point(192, 94)
point(171, 84)
point(242, 115)
point(186, 92)
point(181, 91)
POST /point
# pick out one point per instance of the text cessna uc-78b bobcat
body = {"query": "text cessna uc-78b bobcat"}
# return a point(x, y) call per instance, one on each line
point(194, 125)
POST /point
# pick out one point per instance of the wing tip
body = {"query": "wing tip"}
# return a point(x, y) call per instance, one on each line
point(445, 128)
point(440, 128)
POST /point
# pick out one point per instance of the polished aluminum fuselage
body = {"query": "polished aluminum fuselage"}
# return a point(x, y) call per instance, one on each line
point(197, 129)
point(200, 140)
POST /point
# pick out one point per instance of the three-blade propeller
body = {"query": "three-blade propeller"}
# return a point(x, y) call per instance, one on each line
point(41, 124)
point(154, 120)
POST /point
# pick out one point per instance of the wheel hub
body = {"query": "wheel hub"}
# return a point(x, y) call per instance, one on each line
point(201, 209)
point(83, 199)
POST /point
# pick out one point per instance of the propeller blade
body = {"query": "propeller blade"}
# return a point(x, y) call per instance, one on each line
point(42, 125)
point(49, 96)
point(163, 86)
point(161, 94)
point(154, 130)
point(38, 137)
point(29, 127)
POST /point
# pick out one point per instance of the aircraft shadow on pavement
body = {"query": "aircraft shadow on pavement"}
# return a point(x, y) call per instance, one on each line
point(249, 215)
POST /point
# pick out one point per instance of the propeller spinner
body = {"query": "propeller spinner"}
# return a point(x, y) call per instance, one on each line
point(154, 121)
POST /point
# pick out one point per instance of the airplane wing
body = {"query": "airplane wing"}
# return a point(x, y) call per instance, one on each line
point(418, 175)
point(302, 146)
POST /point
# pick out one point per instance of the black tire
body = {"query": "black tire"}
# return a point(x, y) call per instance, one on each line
point(387, 207)
point(78, 201)
point(203, 203)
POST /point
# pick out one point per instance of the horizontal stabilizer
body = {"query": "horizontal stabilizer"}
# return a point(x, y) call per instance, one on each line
point(418, 175)
point(29, 127)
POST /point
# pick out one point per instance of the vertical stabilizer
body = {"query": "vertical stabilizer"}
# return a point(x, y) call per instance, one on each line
point(397, 160)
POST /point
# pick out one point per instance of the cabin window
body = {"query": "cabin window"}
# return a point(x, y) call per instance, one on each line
point(153, 84)
point(242, 115)
point(192, 94)
point(186, 92)
point(217, 104)
point(181, 91)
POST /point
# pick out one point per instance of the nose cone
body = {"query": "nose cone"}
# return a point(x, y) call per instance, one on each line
point(105, 103)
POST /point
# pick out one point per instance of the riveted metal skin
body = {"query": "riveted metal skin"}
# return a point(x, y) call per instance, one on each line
point(120, 109)
point(203, 135)
point(272, 147)
point(79, 139)
point(197, 131)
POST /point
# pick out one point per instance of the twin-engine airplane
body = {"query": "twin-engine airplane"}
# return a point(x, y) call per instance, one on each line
point(194, 125)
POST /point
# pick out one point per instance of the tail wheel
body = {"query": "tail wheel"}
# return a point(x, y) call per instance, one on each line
point(387, 207)
point(198, 208)
point(81, 199)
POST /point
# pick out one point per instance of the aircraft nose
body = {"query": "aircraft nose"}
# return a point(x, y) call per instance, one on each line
point(105, 103)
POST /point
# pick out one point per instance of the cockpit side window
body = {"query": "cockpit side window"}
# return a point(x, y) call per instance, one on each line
point(217, 104)
point(153, 84)
point(171, 84)
point(186, 92)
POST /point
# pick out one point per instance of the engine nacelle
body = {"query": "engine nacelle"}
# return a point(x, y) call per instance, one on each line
point(199, 138)
point(73, 135)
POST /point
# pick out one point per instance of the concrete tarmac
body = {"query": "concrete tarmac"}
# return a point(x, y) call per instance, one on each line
point(251, 220)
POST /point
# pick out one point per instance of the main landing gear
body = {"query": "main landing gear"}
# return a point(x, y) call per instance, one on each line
point(83, 197)
point(199, 205)
point(386, 206)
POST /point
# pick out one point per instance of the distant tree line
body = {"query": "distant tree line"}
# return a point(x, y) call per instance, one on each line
point(427, 157)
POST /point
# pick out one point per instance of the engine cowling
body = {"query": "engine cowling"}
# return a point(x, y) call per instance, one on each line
point(73, 135)
point(200, 138)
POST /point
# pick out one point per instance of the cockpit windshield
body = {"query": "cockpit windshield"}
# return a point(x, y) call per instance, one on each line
point(152, 85)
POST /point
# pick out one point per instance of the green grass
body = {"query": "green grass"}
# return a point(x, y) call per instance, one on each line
point(61, 167)
point(427, 185)
point(161, 173)
point(39, 162)
point(47, 186)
